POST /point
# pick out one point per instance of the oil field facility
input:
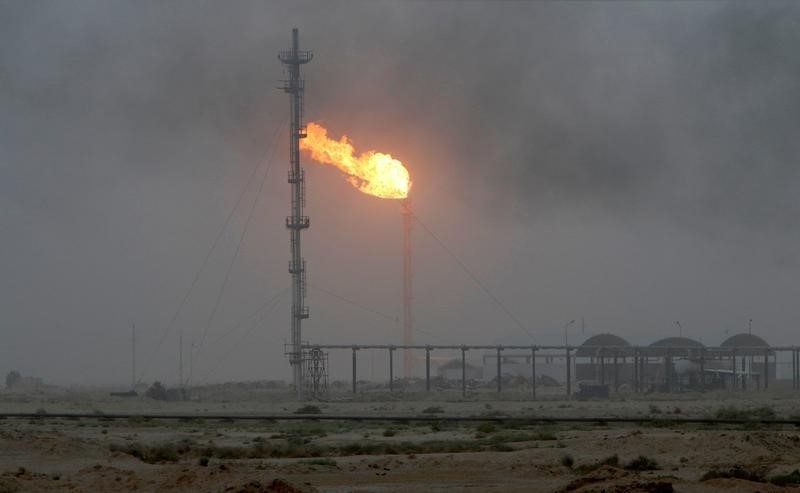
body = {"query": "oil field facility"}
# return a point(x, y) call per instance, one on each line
point(603, 364)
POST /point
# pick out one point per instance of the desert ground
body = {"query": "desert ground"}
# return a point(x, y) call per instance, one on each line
point(98, 453)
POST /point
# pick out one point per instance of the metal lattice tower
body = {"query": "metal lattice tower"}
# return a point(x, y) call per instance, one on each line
point(315, 382)
point(408, 315)
point(292, 59)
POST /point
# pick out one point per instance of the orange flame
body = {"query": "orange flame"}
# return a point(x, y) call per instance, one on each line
point(374, 173)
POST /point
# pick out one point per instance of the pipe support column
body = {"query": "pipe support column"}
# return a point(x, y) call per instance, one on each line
point(354, 369)
point(463, 372)
point(533, 372)
point(499, 370)
point(569, 374)
point(391, 369)
point(427, 369)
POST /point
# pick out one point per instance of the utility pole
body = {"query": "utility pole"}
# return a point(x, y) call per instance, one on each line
point(180, 357)
point(292, 59)
point(191, 364)
point(750, 332)
point(566, 326)
point(133, 356)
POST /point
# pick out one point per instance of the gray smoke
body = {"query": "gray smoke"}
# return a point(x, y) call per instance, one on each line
point(630, 162)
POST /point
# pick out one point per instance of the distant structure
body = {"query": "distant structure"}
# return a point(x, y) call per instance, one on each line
point(605, 362)
point(315, 376)
point(602, 357)
point(678, 363)
point(292, 59)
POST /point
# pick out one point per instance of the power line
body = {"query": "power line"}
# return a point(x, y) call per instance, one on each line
point(474, 278)
point(221, 293)
point(354, 303)
point(368, 309)
point(258, 310)
point(269, 304)
point(207, 257)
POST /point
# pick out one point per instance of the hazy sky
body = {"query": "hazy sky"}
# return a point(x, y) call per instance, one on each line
point(631, 163)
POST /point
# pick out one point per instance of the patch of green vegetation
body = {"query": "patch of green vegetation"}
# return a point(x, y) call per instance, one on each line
point(567, 460)
point(666, 477)
point(736, 472)
point(151, 454)
point(660, 423)
point(308, 431)
point(791, 479)
point(427, 447)
point(759, 413)
point(513, 424)
point(308, 409)
point(230, 453)
point(494, 414)
point(139, 420)
point(322, 461)
point(642, 463)
point(752, 426)
point(521, 436)
point(298, 442)
point(544, 435)
point(611, 460)
point(487, 427)
point(299, 434)
point(502, 447)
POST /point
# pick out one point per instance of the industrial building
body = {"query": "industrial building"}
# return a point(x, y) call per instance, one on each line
point(676, 363)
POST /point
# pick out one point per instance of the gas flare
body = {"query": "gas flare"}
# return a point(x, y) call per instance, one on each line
point(374, 173)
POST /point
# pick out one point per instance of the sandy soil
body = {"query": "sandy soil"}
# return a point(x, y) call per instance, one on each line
point(98, 454)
